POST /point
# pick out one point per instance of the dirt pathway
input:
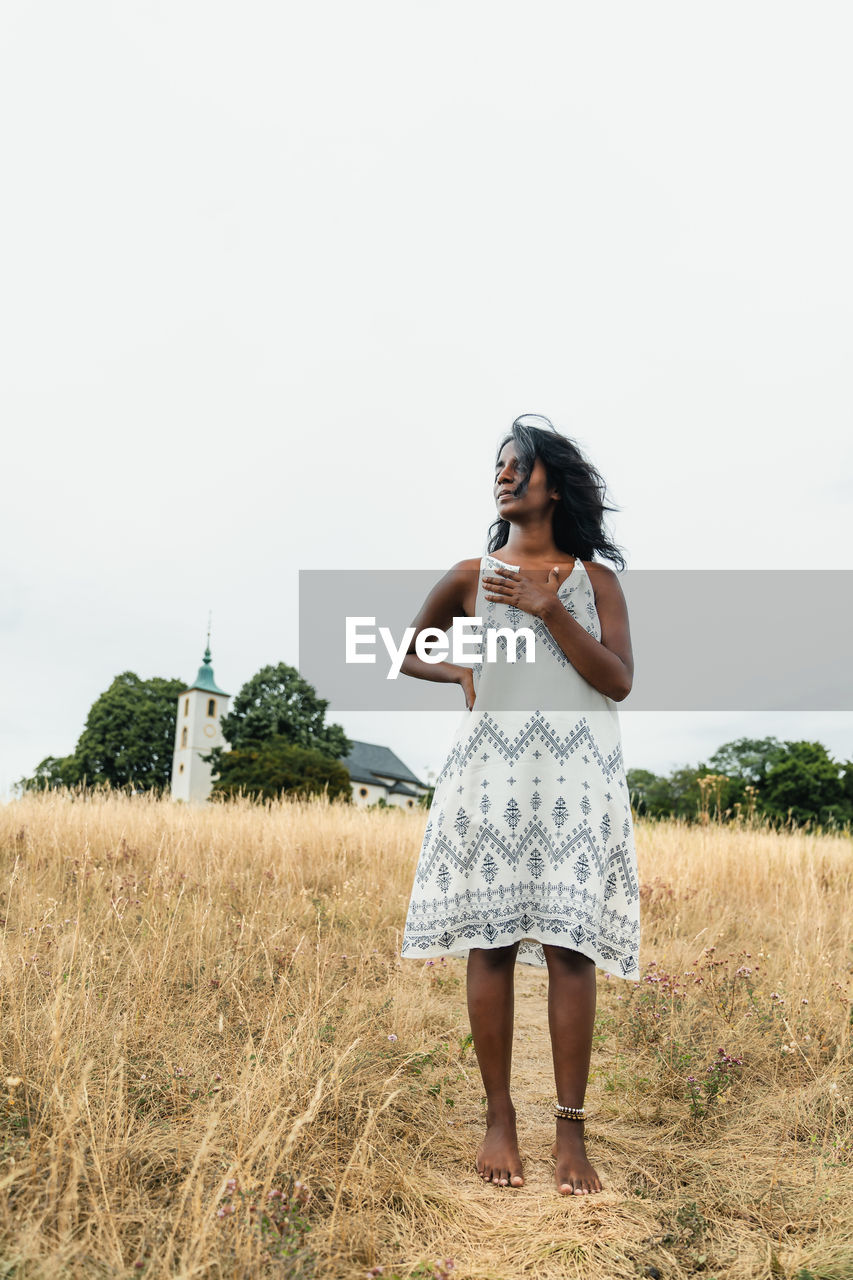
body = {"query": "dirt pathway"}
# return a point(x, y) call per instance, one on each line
point(534, 1095)
point(533, 1232)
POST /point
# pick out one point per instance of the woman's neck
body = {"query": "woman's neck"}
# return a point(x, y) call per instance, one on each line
point(533, 549)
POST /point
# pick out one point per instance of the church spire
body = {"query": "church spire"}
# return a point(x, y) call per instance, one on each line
point(204, 680)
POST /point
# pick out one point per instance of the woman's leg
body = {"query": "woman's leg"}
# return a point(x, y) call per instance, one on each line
point(571, 1017)
point(491, 973)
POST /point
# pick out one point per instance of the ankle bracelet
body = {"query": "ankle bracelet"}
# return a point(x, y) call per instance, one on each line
point(569, 1113)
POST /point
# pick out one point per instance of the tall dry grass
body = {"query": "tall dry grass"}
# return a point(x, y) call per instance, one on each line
point(216, 1063)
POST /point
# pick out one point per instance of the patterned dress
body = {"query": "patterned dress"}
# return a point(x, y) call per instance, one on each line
point(529, 836)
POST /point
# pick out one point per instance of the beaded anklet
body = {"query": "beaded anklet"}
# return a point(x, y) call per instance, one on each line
point(569, 1113)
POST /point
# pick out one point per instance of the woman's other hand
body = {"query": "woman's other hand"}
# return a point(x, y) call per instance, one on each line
point(466, 679)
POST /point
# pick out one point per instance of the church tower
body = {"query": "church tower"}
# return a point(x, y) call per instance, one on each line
point(200, 709)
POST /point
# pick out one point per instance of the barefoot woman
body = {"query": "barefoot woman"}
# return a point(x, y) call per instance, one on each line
point(528, 852)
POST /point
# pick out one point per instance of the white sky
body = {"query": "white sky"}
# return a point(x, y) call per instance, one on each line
point(277, 276)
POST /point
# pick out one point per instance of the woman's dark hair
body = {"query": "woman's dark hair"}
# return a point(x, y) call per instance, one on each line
point(579, 514)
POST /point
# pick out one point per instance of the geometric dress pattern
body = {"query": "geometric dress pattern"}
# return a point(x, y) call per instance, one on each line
point(529, 836)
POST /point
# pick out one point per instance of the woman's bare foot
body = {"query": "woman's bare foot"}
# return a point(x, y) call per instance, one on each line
point(574, 1173)
point(498, 1157)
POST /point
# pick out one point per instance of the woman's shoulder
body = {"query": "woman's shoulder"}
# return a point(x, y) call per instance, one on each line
point(598, 571)
point(605, 583)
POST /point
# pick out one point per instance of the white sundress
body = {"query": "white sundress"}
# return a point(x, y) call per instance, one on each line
point(529, 836)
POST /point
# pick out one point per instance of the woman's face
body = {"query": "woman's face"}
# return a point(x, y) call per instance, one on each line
point(509, 478)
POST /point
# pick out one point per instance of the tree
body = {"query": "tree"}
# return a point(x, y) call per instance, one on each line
point(51, 772)
point(847, 784)
point(129, 736)
point(807, 782)
point(274, 768)
point(683, 784)
point(644, 789)
point(128, 739)
point(747, 759)
point(278, 703)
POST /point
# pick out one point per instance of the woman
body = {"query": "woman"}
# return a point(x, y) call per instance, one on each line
point(528, 851)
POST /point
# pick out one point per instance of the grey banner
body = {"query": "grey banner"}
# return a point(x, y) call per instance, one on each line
point(702, 640)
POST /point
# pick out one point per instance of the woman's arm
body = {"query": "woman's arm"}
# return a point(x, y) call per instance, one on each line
point(607, 664)
point(445, 602)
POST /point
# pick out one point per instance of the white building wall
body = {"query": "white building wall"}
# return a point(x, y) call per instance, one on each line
point(372, 793)
point(196, 731)
point(365, 793)
point(402, 802)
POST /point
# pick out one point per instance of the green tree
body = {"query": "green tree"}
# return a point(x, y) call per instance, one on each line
point(806, 782)
point(51, 772)
point(685, 790)
point(644, 788)
point(277, 767)
point(745, 762)
point(746, 759)
point(847, 784)
point(278, 703)
point(128, 738)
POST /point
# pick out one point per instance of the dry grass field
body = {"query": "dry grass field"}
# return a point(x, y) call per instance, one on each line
point(214, 1062)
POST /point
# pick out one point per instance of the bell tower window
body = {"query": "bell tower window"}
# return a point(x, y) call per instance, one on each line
point(211, 706)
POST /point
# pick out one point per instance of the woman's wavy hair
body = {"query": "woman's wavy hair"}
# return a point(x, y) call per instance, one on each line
point(579, 514)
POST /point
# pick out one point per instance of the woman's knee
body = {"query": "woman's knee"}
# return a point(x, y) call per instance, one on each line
point(566, 957)
point(493, 957)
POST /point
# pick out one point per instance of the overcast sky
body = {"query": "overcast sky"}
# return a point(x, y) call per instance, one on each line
point(277, 276)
